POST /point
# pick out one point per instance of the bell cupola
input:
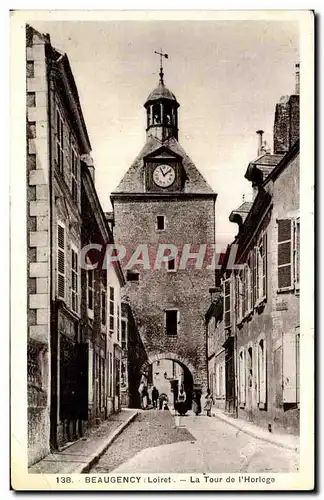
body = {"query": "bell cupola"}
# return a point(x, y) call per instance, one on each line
point(162, 110)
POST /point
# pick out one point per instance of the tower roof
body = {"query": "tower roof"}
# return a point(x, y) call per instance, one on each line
point(133, 180)
point(161, 92)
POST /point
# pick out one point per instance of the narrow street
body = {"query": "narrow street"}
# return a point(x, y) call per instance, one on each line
point(159, 442)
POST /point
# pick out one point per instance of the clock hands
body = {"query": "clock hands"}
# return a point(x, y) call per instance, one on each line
point(164, 174)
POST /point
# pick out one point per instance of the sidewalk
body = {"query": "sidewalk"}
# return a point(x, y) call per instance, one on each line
point(288, 441)
point(81, 455)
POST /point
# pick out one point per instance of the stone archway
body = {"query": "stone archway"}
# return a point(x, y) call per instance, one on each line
point(189, 372)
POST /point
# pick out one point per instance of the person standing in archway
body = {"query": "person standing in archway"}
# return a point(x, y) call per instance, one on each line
point(155, 396)
point(196, 399)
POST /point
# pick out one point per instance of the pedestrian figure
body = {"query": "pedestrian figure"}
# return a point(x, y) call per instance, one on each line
point(155, 396)
point(196, 401)
point(144, 397)
point(181, 405)
point(209, 401)
point(140, 391)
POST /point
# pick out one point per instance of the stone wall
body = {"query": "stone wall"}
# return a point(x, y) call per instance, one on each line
point(38, 249)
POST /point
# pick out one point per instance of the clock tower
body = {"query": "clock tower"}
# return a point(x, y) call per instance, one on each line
point(163, 201)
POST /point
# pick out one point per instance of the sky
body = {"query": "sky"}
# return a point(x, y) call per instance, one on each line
point(226, 75)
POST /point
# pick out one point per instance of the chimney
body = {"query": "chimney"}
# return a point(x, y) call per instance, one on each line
point(88, 160)
point(260, 141)
point(286, 122)
point(297, 78)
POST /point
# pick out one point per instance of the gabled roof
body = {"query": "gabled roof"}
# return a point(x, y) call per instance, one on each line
point(133, 180)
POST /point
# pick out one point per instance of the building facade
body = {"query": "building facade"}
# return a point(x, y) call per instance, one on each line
point(216, 351)
point(74, 355)
point(261, 298)
point(164, 200)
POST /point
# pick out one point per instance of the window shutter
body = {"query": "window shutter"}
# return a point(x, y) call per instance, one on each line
point(255, 276)
point(246, 291)
point(250, 282)
point(296, 252)
point(289, 368)
point(256, 371)
point(284, 254)
point(227, 303)
point(263, 375)
point(264, 266)
point(61, 262)
point(178, 317)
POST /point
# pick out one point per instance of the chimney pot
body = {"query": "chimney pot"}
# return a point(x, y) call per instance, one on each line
point(297, 78)
point(260, 141)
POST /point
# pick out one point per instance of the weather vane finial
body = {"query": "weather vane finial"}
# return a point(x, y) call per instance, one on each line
point(161, 66)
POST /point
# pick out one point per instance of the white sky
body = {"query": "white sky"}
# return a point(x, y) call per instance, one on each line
point(226, 75)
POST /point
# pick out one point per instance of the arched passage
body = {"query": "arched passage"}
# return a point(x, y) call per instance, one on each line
point(169, 382)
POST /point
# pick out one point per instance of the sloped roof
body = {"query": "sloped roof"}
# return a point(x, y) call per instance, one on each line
point(133, 180)
point(161, 92)
point(268, 159)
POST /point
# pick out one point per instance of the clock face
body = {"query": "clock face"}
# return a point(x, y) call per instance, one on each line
point(164, 175)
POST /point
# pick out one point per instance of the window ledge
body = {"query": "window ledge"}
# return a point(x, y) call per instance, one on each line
point(242, 406)
point(248, 315)
point(285, 290)
point(262, 406)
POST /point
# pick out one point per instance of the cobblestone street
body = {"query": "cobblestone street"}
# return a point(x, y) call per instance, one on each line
point(158, 442)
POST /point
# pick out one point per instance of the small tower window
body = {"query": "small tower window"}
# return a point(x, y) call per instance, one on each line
point(160, 223)
point(171, 265)
point(171, 322)
point(132, 276)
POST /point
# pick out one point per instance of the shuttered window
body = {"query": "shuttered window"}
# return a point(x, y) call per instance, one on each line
point(285, 252)
point(61, 261)
point(255, 275)
point(59, 141)
point(262, 267)
point(111, 309)
point(103, 307)
point(249, 281)
point(118, 322)
point(227, 302)
point(74, 174)
point(124, 333)
point(74, 281)
point(90, 289)
point(296, 252)
point(240, 295)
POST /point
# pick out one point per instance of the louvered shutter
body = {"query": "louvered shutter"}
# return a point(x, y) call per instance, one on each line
point(284, 254)
point(227, 303)
point(264, 266)
point(289, 368)
point(255, 368)
point(61, 261)
point(250, 282)
point(263, 375)
point(255, 277)
point(296, 252)
point(246, 290)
